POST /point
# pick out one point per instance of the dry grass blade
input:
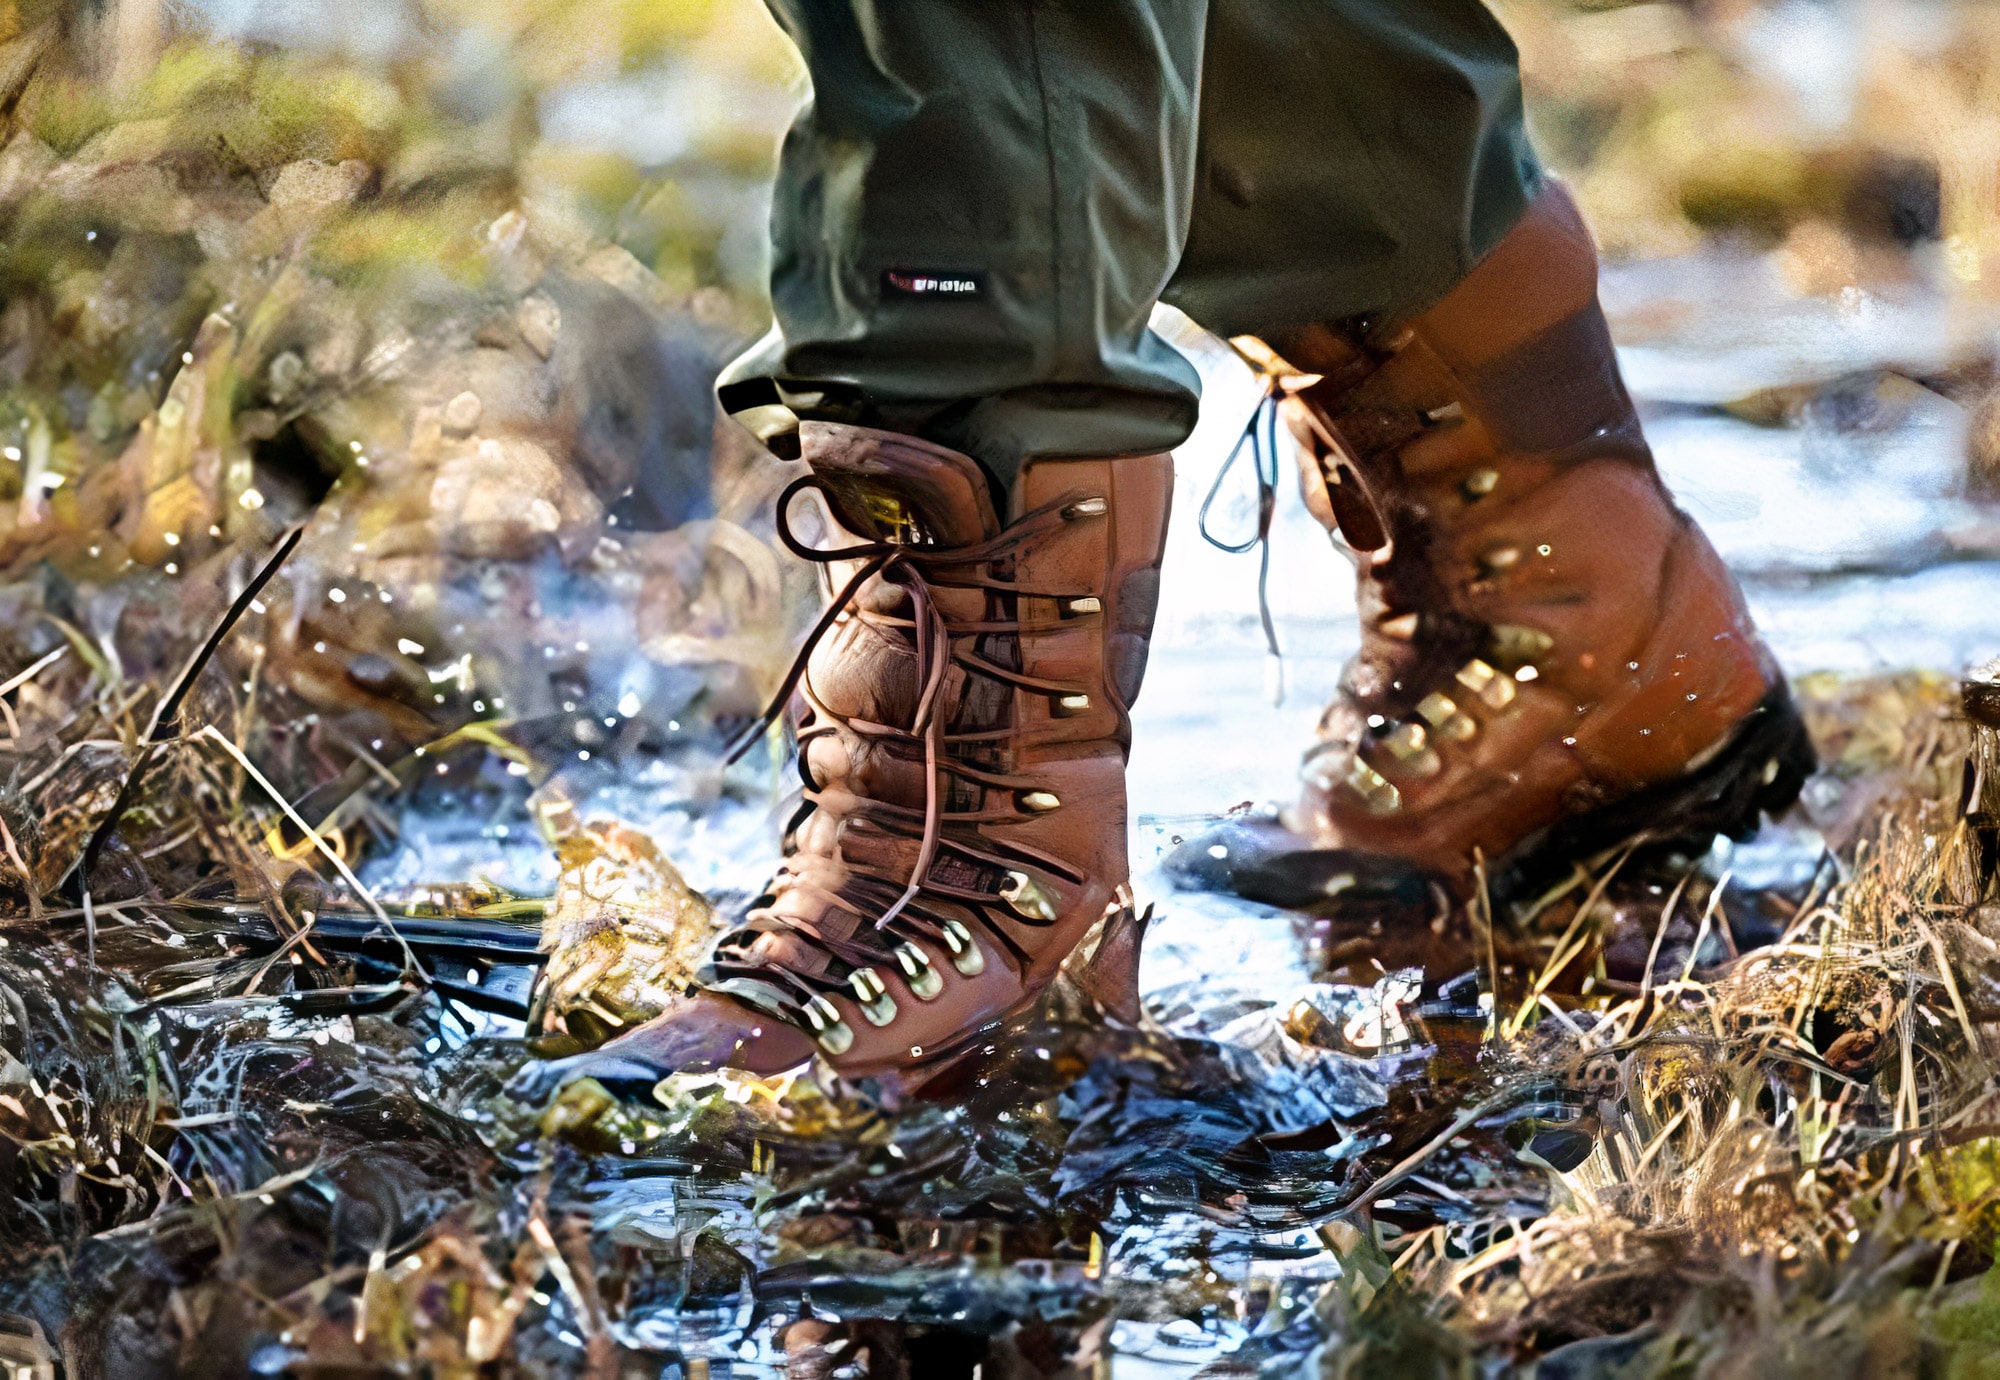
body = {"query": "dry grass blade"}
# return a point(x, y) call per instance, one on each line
point(339, 864)
point(166, 714)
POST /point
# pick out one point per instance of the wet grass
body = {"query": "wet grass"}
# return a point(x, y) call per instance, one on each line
point(244, 1129)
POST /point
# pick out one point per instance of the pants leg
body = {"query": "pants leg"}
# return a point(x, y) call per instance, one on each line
point(1356, 157)
point(974, 217)
point(984, 199)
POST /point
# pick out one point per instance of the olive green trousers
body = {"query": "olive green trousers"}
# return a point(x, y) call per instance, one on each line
point(984, 199)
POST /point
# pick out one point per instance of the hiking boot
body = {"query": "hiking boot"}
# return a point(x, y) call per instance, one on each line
point(963, 750)
point(1553, 659)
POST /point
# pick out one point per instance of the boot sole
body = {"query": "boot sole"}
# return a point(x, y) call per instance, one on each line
point(1760, 772)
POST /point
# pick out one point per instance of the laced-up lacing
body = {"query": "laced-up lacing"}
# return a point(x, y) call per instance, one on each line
point(892, 907)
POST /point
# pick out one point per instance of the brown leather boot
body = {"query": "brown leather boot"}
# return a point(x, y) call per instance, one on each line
point(963, 750)
point(1553, 659)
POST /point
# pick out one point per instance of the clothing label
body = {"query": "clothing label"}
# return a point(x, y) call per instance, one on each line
point(942, 284)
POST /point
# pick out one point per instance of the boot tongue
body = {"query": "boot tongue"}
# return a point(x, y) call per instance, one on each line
point(893, 487)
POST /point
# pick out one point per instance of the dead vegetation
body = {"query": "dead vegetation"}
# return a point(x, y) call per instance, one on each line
point(250, 1113)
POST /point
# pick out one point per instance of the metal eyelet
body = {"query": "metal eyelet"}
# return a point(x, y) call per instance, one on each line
point(1512, 645)
point(1441, 713)
point(1436, 709)
point(1377, 792)
point(1040, 802)
point(1069, 706)
point(872, 997)
point(1027, 898)
point(1086, 507)
point(832, 1033)
point(919, 975)
point(1495, 691)
point(965, 955)
point(1410, 744)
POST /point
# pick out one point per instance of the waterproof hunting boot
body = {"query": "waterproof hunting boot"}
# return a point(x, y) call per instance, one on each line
point(1553, 659)
point(963, 749)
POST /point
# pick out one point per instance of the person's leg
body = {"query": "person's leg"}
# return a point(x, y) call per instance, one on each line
point(1355, 157)
point(1552, 659)
point(973, 219)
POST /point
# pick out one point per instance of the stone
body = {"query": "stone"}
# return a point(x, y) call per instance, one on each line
point(540, 322)
point(309, 185)
point(286, 375)
point(461, 414)
point(505, 499)
point(615, 266)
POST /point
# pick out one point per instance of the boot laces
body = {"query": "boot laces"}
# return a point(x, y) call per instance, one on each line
point(1260, 437)
point(904, 905)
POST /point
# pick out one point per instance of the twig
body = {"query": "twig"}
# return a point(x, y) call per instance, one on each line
point(558, 1264)
point(1428, 1236)
point(1415, 1161)
point(21, 866)
point(166, 715)
point(1936, 942)
point(1659, 936)
point(1561, 956)
point(1485, 909)
point(1701, 931)
point(1944, 1265)
point(210, 732)
point(21, 678)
